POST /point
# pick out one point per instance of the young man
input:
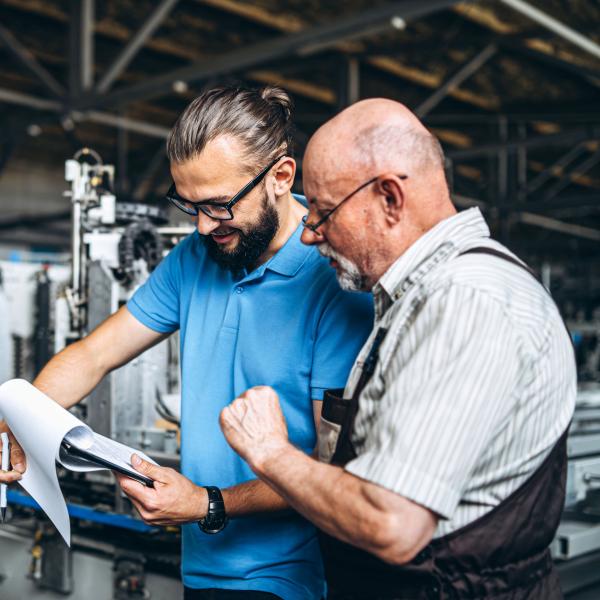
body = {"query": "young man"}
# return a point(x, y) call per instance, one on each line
point(253, 305)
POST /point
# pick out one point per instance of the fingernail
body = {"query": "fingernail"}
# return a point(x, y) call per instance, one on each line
point(19, 467)
point(135, 460)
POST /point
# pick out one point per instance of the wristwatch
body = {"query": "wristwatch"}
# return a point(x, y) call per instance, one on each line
point(216, 517)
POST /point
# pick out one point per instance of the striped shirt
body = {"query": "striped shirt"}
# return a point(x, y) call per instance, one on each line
point(476, 378)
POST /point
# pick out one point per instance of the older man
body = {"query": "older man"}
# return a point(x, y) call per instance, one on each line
point(442, 467)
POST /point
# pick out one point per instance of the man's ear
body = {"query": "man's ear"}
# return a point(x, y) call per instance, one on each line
point(284, 174)
point(391, 188)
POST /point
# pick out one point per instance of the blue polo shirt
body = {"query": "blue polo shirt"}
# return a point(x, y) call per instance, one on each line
point(286, 324)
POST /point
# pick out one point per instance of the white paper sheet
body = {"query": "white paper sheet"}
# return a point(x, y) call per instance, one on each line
point(40, 424)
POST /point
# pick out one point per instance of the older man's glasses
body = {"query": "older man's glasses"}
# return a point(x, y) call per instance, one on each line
point(216, 210)
point(314, 226)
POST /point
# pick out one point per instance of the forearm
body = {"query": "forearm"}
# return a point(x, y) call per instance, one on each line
point(70, 375)
point(353, 510)
point(252, 497)
point(326, 495)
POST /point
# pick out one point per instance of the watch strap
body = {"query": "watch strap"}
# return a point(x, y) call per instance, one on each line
point(216, 517)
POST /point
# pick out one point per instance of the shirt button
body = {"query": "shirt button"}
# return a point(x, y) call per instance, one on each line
point(239, 290)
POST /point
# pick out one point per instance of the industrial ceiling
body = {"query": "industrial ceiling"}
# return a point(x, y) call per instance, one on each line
point(512, 89)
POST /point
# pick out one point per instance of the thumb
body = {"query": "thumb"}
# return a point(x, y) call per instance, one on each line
point(17, 456)
point(146, 468)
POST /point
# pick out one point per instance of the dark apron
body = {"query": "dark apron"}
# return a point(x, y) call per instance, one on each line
point(502, 555)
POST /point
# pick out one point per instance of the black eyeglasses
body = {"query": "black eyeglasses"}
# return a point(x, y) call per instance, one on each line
point(216, 210)
point(314, 226)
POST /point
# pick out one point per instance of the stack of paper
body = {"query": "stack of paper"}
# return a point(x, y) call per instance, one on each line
point(41, 425)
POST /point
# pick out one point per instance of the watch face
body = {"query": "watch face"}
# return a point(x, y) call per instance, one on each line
point(213, 523)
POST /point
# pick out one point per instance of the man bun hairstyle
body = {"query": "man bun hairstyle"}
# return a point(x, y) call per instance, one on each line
point(261, 118)
point(279, 99)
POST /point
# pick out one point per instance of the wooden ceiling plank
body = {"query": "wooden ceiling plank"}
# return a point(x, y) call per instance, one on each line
point(287, 23)
point(296, 86)
point(484, 15)
point(432, 81)
point(282, 22)
point(292, 23)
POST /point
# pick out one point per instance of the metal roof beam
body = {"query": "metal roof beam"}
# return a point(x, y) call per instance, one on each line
point(112, 120)
point(588, 200)
point(455, 80)
point(301, 44)
point(534, 219)
point(568, 178)
point(591, 76)
point(349, 84)
point(574, 136)
point(545, 20)
point(134, 45)
point(566, 159)
point(81, 46)
point(26, 58)
point(134, 125)
point(555, 225)
point(12, 97)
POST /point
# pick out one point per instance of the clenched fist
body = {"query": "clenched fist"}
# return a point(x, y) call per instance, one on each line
point(254, 426)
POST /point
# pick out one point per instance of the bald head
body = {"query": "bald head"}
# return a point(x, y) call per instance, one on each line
point(378, 152)
point(375, 136)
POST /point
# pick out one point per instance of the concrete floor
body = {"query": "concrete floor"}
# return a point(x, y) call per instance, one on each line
point(92, 576)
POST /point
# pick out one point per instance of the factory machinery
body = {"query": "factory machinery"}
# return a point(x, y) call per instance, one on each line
point(576, 547)
point(115, 245)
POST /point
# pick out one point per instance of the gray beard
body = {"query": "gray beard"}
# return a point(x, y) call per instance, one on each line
point(347, 273)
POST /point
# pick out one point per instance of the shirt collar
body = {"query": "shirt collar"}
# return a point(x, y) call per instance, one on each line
point(448, 237)
point(288, 260)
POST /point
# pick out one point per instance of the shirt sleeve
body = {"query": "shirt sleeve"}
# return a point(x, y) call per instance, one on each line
point(452, 379)
point(156, 303)
point(343, 328)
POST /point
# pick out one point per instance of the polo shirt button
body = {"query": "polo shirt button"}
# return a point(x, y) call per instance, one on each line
point(239, 290)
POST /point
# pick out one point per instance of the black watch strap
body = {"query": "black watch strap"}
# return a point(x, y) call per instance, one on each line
point(216, 517)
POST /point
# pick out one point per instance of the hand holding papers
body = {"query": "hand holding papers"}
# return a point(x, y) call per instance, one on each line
point(40, 425)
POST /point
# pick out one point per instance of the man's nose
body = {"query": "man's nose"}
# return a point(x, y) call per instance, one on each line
point(205, 225)
point(310, 237)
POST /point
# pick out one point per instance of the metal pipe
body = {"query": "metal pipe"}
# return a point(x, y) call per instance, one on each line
point(75, 260)
point(21, 99)
point(87, 44)
point(112, 120)
point(556, 225)
point(554, 25)
point(124, 123)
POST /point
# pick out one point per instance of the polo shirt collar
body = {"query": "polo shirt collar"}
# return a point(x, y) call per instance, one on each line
point(288, 260)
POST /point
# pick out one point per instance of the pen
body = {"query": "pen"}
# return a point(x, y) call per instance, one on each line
point(5, 463)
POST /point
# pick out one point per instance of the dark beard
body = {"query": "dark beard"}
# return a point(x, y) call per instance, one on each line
point(250, 245)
